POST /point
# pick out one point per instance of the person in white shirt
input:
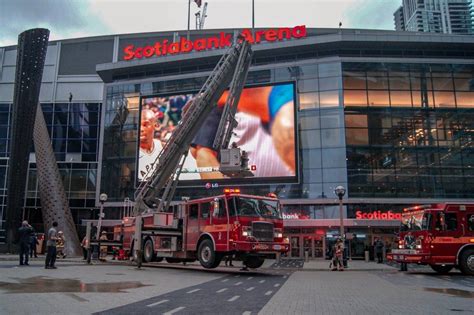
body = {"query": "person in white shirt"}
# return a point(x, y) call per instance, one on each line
point(150, 149)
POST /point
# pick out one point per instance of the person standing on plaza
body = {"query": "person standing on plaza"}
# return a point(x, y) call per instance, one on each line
point(51, 244)
point(378, 246)
point(338, 255)
point(24, 234)
point(103, 248)
point(84, 245)
point(33, 243)
point(60, 245)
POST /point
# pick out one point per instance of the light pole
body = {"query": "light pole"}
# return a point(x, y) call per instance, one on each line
point(340, 191)
point(102, 199)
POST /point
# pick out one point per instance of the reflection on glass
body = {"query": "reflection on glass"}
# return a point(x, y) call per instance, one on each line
point(377, 83)
point(378, 98)
point(400, 98)
point(465, 99)
point(329, 98)
point(309, 100)
point(444, 99)
point(355, 98)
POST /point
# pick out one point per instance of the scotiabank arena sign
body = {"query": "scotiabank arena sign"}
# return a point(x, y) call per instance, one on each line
point(223, 40)
point(378, 215)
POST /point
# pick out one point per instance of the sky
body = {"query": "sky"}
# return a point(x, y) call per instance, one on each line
point(83, 18)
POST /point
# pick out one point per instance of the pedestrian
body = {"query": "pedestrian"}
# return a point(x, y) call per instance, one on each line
point(338, 255)
point(378, 246)
point(60, 245)
point(51, 245)
point(24, 235)
point(84, 245)
point(103, 248)
point(33, 243)
point(228, 260)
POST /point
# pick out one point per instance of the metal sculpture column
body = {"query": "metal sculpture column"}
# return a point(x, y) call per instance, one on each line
point(54, 203)
point(32, 46)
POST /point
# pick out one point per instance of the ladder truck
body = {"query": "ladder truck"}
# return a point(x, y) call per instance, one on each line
point(206, 229)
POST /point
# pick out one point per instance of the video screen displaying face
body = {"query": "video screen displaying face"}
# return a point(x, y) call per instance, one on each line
point(265, 130)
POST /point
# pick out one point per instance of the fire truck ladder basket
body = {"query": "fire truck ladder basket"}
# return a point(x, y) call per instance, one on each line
point(170, 161)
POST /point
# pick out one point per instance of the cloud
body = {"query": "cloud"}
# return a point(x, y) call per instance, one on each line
point(72, 18)
point(371, 14)
point(62, 17)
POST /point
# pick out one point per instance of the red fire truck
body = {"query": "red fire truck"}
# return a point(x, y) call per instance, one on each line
point(440, 235)
point(208, 229)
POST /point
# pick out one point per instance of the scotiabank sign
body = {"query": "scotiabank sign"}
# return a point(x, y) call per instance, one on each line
point(378, 215)
point(223, 40)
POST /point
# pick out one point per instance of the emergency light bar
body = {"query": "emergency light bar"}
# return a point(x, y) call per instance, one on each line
point(231, 190)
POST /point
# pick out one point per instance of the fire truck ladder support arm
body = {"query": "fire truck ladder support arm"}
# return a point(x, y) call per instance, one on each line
point(170, 161)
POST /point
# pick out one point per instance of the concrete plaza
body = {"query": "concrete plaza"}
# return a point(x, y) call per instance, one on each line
point(119, 288)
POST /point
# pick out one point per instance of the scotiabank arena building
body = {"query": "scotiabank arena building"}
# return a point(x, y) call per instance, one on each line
point(388, 115)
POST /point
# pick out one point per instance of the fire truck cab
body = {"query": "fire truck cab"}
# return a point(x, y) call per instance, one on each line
point(207, 229)
point(440, 235)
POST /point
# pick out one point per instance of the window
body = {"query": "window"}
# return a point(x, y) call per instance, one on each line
point(309, 100)
point(220, 211)
point(193, 211)
point(377, 83)
point(356, 121)
point(400, 98)
point(470, 222)
point(444, 99)
point(451, 222)
point(354, 82)
point(378, 98)
point(205, 210)
point(355, 98)
point(328, 99)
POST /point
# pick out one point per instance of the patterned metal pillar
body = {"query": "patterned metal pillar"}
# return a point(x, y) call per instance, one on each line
point(54, 203)
point(31, 54)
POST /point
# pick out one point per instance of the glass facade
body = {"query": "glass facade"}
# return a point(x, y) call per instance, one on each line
point(320, 129)
point(74, 132)
point(409, 130)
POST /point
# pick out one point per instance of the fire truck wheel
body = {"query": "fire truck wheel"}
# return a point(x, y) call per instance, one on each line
point(254, 262)
point(466, 262)
point(441, 269)
point(207, 255)
point(148, 251)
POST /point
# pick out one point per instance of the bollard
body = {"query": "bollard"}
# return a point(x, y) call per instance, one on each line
point(306, 256)
point(366, 256)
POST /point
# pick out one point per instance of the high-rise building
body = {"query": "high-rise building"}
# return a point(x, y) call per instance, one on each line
point(436, 16)
point(399, 19)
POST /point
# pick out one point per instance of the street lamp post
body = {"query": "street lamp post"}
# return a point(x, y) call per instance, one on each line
point(102, 199)
point(340, 191)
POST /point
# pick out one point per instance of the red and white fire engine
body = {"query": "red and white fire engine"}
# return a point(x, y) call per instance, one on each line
point(440, 235)
point(207, 229)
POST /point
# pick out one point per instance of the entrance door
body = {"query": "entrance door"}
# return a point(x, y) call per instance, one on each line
point(318, 247)
point(295, 246)
point(308, 243)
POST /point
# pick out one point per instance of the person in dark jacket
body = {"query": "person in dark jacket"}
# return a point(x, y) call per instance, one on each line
point(378, 248)
point(33, 243)
point(24, 234)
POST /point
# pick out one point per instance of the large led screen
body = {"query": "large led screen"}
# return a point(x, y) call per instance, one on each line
point(265, 130)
